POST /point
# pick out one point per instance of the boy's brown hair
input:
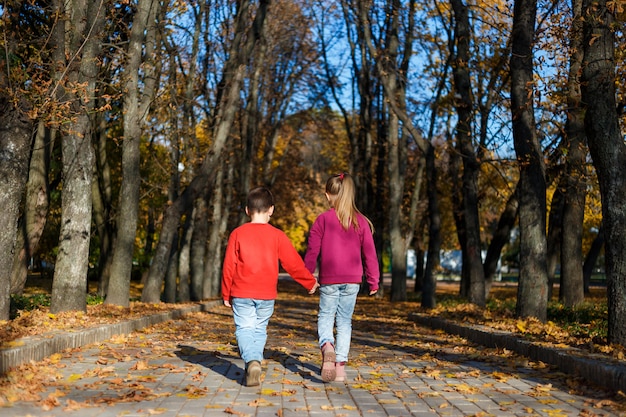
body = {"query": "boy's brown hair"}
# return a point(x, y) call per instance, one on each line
point(260, 199)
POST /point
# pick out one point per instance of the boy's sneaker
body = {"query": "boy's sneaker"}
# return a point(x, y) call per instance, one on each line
point(328, 362)
point(340, 371)
point(253, 373)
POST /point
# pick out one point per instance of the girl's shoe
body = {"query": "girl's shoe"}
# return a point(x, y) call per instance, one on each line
point(328, 362)
point(340, 371)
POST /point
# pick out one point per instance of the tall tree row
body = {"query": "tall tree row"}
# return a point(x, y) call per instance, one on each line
point(456, 118)
point(245, 39)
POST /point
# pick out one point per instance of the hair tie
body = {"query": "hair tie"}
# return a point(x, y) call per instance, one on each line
point(341, 176)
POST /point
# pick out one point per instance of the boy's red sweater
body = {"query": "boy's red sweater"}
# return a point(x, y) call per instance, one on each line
point(251, 262)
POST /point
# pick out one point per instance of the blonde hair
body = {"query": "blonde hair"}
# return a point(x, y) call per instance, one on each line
point(341, 193)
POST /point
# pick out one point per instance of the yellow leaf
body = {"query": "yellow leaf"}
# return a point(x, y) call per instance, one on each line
point(55, 358)
point(229, 410)
point(140, 366)
point(554, 413)
point(389, 401)
point(14, 343)
point(500, 376)
point(154, 411)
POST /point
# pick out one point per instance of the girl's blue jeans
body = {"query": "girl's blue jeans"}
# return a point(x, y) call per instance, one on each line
point(337, 303)
point(251, 319)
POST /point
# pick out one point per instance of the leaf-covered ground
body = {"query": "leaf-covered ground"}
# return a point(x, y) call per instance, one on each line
point(38, 320)
point(583, 328)
point(134, 372)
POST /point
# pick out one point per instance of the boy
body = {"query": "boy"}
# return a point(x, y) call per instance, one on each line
point(250, 277)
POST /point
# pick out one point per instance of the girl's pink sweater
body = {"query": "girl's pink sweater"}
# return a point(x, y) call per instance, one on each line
point(344, 255)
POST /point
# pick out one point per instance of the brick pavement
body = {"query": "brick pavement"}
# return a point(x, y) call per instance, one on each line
point(189, 366)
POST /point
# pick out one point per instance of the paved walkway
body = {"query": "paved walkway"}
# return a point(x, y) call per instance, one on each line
point(190, 367)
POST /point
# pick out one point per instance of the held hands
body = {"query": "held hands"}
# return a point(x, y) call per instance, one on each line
point(315, 287)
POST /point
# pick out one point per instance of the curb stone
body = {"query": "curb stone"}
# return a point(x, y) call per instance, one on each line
point(610, 376)
point(36, 348)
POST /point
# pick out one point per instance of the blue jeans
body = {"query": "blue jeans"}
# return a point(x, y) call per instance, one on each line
point(251, 319)
point(337, 303)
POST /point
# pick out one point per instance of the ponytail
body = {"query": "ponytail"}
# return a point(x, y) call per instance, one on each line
point(341, 193)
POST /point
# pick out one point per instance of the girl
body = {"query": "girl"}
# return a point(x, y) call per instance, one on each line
point(341, 239)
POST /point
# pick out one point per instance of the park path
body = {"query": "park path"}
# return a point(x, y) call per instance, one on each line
point(190, 367)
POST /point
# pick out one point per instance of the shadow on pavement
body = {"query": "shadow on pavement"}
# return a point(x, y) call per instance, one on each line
point(223, 364)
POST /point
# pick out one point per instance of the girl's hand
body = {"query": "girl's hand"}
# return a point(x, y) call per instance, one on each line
point(315, 287)
point(227, 303)
point(373, 292)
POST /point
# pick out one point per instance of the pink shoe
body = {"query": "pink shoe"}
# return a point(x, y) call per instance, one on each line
point(340, 371)
point(328, 362)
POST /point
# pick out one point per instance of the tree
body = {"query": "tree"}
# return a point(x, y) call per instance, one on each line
point(532, 299)
point(33, 219)
point(572, 283)
point(84, 22)
point(608, 151)
point(468, 211)
point(14, 148)
point(138, 96)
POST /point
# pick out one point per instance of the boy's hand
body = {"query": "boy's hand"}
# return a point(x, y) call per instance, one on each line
point(227, 303)
point(315, 287)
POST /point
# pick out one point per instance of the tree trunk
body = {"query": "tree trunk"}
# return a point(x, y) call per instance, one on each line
point(532, 294)
point(396, 188)
point(33, 219)
point(213, 263)
point(198, 247)
point(500, 237)
point(592, 259)
point(434, 234)
point(233, 76)
point(472, 260)
point(607, 148)
point(15, 139)
point(101, 200)
point(69, 286)
point(572, 291)
point(184, 262)
point(136, 105)
point(553, 238)
point(170, 284)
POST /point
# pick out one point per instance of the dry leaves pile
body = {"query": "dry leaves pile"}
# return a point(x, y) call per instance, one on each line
point(41, 321)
